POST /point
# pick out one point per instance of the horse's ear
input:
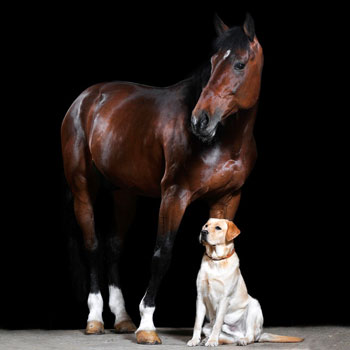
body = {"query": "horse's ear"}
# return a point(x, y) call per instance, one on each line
point(232, 231)
point(220, 26)
point(249, 27)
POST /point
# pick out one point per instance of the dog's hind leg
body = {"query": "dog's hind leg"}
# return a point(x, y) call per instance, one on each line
point(207, 328)
point(226, 339)
point(253, 320)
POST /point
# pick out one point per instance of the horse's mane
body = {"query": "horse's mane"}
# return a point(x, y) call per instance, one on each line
point(196, 83)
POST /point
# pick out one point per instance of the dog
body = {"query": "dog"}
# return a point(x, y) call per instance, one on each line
point(234, 316)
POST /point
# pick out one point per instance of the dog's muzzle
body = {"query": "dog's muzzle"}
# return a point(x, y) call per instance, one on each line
point(204, 236)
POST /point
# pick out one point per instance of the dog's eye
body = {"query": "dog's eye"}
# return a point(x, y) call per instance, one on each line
point(217, 228)
point(206, 226)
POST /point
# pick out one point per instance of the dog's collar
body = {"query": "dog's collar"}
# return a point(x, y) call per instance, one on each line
point(225, 257)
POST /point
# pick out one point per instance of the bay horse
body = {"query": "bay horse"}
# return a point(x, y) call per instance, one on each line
point(187, 141)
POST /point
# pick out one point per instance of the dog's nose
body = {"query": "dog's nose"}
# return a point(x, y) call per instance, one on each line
point(204, 234)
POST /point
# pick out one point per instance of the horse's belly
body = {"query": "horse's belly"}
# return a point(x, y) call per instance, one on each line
point(127, 168)
point(142, 179)
point(126, 150)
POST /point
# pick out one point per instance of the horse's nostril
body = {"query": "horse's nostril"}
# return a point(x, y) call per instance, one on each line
point(204, 120)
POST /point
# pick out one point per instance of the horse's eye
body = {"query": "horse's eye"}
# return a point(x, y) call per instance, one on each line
point(239, 66)
point(217, 228)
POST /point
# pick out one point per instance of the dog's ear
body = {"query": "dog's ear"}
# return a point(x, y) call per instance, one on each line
point(232, 231)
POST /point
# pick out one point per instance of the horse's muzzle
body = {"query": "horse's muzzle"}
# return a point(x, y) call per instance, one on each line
point(202, 127)
point(201, 121)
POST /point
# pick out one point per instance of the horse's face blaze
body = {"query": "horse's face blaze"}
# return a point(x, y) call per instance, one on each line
point(234, 84)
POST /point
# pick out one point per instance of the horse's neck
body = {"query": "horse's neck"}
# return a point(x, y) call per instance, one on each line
point(238, 129)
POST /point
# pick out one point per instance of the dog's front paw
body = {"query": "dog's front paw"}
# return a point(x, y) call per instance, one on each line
point(194, 342)
point(212, 342)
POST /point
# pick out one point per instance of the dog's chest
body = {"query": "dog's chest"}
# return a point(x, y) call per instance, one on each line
point(213, 288)
point(215, 282)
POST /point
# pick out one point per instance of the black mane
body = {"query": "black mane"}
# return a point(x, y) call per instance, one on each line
point(196, 83)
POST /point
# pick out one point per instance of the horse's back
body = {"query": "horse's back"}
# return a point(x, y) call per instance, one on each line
point(119, 126)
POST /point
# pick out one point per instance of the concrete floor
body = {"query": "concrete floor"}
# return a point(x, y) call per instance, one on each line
point(317, 338)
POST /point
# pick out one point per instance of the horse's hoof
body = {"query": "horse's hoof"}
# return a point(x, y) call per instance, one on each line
point(125, 327)
point(94, 327)
point(148, 337)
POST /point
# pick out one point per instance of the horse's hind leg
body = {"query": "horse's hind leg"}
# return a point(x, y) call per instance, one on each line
point(124, 210)
point(83, 208)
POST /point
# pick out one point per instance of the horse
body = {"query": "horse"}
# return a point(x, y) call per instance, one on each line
point(188, 141)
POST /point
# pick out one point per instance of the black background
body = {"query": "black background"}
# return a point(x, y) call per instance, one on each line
point(293, 248)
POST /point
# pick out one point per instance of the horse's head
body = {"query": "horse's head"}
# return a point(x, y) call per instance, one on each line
point(235, 78)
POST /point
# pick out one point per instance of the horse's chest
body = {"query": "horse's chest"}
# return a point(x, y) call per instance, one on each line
point(217, 172)
point(229, 174)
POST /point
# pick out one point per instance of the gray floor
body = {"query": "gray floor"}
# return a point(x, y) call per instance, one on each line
point(317, 338)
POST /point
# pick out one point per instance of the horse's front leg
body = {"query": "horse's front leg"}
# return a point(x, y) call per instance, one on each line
point(225, 207)
point(173, 205)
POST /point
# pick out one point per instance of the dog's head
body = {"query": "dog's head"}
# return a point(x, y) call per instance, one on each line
point(217, 236)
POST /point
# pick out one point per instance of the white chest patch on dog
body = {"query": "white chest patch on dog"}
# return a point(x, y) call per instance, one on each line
point(227, 53)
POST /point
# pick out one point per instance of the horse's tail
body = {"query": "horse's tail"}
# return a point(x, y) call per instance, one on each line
point(274, 338)
point(77, 264)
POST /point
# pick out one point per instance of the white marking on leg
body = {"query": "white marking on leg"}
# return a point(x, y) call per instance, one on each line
point(117, 304)
point(95, 304)
point(146, 313)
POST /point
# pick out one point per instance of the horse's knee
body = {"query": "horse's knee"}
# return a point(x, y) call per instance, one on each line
point(162, 255)
point(164, 245)
point(163, 252)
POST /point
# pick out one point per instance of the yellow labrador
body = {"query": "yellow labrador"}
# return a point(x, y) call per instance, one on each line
point(234, 316)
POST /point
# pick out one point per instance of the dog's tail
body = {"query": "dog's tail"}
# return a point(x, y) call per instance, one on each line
point(274, 338)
